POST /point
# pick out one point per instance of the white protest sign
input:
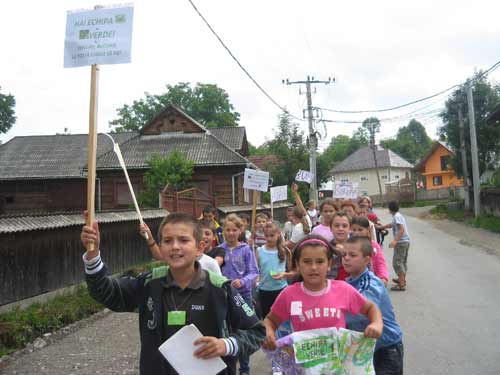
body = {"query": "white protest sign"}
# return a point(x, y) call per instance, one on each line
point(99, 36)
point(304, 176)
point(279, 193)
point(256, 180)
point(178, 351)
point(346, 190)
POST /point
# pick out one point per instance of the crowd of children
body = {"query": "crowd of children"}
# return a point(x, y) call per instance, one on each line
point(320, 269)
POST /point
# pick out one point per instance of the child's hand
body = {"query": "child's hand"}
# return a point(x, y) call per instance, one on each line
point(145, 232)
point(270, 340)
point(295, 187)
point(236, 283)
point(90, 235)
point(213, 347)
point(374, 330)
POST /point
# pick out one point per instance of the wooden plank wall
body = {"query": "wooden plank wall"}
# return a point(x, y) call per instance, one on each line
point(37, 262)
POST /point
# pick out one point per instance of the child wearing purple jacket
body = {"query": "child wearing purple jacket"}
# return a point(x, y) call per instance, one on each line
point(239, 263)
point(240, 266)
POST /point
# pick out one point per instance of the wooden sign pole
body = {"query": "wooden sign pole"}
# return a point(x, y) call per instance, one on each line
point(272, 210)
point(92, 146)
point(254, 211)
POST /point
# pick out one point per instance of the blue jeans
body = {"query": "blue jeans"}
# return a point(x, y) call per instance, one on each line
point(389, 360)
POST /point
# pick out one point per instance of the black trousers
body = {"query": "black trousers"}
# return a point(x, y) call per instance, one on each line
point(267, 298)
point(389, 360)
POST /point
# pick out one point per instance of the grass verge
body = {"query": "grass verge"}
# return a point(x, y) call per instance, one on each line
point(19, 326)
point(487, 222)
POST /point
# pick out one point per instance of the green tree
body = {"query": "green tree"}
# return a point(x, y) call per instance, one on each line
point(174, 170)
point(486, 98)
point(289, 145)
point(206, 103)
point(411, 142)
point(7, 112)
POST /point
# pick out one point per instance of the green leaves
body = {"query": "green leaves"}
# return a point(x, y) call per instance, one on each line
point(206, 103)
point(174, 170)
point(7, 112)
point(411, 143)
point(486, 98)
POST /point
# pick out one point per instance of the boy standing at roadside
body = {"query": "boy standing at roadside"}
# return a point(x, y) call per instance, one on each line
point(175, 295)
point(401, 245)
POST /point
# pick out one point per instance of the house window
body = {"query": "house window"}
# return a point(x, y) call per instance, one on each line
point(445, 161)
point(437, 180)
point(396, 177)
point(384, 177)
point(9, 199)
point(364, 178)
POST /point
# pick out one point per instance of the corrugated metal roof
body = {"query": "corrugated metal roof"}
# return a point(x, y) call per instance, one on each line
point(51, 156)
point(29, 223)
point(233, 136)
point(202, 148)
point(363, 159)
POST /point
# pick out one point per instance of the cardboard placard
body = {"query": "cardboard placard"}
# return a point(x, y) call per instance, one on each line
point(99, 36)
point(304, 176)
point(256, 180)
point(279, 193)
point(346, 190)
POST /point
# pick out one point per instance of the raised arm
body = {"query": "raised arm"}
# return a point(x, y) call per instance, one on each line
point(298, 200)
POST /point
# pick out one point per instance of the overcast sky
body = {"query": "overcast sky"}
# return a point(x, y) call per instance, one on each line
point(382, 54)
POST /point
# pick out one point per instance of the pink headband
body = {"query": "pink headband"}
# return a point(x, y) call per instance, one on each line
point(315, 241)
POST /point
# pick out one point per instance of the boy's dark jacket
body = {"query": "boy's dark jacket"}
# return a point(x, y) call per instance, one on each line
point(145, 293)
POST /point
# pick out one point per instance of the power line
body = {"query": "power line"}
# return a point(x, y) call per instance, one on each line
point(491, 69)
point(434, 112)
point(241, 66)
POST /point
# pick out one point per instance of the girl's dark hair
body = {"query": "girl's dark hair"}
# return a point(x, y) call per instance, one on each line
point(362, 221)
point(311, 240)
point(329, 202)
point(299, 214)
point(279, 245)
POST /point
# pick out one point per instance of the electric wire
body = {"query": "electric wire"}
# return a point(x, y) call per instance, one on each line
point(241, 66)
point(458, 85)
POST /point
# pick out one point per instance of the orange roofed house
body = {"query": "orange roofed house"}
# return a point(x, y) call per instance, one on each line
point(435, 171)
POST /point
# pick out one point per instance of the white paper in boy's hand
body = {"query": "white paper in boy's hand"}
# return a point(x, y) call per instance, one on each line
point(178, 351)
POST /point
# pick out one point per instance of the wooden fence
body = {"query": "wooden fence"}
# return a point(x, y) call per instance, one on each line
point(191, 201)
point(40, 261)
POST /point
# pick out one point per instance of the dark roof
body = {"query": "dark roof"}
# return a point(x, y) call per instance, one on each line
point(233, 136)
point(28, 223)
point(266, 161)
point(202, 148)
point(434, 147)
point(50, 156)
point(363, 159)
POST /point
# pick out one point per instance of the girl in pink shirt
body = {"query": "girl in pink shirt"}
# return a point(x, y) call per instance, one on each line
point(327, 209)
point(361, 228)
point(315, 301)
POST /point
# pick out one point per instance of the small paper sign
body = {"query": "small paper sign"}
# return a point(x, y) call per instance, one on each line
point(99, 36)
point(304, 176)
point(346, 190)
point(279, 193)
point(256, 180)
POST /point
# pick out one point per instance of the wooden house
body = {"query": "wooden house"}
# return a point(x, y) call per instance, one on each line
point(48, 173)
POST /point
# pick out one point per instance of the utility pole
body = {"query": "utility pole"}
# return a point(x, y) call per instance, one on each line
point(473, 145)
point(373, 146)
point(464, 157)
point(313, 140)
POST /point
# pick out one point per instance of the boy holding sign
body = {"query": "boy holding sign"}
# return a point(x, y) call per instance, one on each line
point(176, 295)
